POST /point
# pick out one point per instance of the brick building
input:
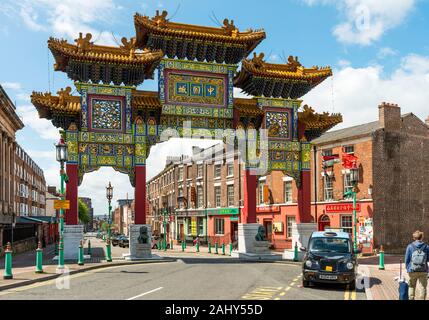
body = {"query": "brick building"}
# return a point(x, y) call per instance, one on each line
point(88, 226)
point(9, 124)
point(200, 196)
point(123, 216)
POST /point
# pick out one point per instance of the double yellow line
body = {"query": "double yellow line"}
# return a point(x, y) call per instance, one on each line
point(349, 295)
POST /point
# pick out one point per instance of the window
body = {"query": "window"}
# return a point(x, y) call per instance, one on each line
point(199, 171)
point(261, 192)
point(347, 223)
point(200, 226)
point(327, 152)
point(230, 194)
point(349, 149)
point(219, 225)
point(230, 169)
point(189, 172)
point(200, 197)
point(288, 191)
point(217, 170)
point(328, 189)
point(189, 226)
point(348, 186)
point(217, 197)
point(180, 174)
point(289, 221)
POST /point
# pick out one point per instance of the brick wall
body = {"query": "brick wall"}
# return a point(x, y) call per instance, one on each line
point(401, 184)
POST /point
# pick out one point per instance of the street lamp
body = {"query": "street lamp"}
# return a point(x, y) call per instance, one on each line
point(109, 196)
point(62, 157)
point(354, 178)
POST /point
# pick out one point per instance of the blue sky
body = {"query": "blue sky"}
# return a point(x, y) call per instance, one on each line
point(379, 51)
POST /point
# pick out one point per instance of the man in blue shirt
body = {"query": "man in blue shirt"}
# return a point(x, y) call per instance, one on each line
point(416, 257)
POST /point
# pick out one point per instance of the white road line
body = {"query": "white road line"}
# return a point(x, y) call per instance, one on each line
point(145, 293)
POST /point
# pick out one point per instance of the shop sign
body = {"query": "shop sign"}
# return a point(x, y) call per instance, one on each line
point(61, 204)
point(194, 226)
point(222, 211)
point(268, 209)
point(193, 213)
point(341, 207)
point(234, 218)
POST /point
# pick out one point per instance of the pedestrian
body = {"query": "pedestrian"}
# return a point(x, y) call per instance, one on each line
point(416, 262)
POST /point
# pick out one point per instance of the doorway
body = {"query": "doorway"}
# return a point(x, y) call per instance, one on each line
point(324, 222)
point(234, 231)
point(268, 225)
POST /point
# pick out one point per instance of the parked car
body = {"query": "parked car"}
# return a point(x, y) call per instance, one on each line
point(330, 258)
point(115, 239)
point(124, 242)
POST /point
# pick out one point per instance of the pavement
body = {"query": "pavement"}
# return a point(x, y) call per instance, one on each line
point(189, 275)
point(383, 284)
point(188, 278)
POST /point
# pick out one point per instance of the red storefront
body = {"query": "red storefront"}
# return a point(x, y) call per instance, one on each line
point(278, 219)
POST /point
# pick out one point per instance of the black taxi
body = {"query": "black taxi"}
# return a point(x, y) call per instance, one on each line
point(330, 258)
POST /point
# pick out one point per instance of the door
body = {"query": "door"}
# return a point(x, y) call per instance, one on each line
point(268, 224)
point(324, 222)
point(181, 232)
point(234, 232)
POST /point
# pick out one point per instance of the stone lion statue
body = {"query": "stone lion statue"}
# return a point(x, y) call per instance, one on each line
point(144, 236)
point(260, 236)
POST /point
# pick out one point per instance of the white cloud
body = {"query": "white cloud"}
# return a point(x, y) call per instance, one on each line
point(11, 85)
point(366, 21)
point(357, 92)
point(36, 154)
point(386, 52)
point(66, 18)
point(43, 127)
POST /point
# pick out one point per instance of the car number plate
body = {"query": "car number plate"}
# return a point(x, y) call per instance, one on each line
point(327, 277)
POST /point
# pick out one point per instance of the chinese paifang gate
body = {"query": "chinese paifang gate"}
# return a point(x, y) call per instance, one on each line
point(112, 123)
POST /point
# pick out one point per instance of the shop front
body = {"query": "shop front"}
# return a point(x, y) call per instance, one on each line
point(191, 224)
point(223, 225)
point(339, 216)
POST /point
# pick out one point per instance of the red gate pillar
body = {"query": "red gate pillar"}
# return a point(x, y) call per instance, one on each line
point(304, 191)
point(71, 217)
point(249, 195)
point(304, 198)
point(140, 195)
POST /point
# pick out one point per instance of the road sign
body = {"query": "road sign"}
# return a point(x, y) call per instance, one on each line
point(61, 204)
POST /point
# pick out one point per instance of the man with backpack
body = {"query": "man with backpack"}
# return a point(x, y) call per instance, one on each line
point(416, 258)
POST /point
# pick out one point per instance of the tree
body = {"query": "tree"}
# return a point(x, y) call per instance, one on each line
point(83, 210)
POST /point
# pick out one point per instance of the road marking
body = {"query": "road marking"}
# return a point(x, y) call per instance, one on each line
point(288, 288)
point(262, 293)
point(347, 293)
point(144, 293)
point(354, 295)
point(73, 276)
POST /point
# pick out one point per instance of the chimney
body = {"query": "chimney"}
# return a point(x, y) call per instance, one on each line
point(389, 116)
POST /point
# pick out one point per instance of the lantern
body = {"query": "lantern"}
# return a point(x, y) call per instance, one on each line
point(109, 191)
point(61, 151)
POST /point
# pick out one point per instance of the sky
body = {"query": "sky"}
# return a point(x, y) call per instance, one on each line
point(378, 50)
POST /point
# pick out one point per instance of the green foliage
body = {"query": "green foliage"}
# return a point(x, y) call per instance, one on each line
point(83, 212)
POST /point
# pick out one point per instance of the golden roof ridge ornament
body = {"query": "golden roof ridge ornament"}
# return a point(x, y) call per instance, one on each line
point(64, 96)
point(84, 44)
point(129, 45)
point(230, 28)
point(161, 19)
point(258, 60)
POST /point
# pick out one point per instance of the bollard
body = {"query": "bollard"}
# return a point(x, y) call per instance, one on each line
point(216, 248)
point(295, 252)
point(230, 248)
point(198, 246)
point(8, 263)
point(381, 263)
point(183, 245)
point(158, 245)
point(39, 258)
point(89, 247)
point(61, 254)
point(210, 247)
point(171, 244)
point(80, 257)
point(56, 248)
point(108, 251)
point(223, 249)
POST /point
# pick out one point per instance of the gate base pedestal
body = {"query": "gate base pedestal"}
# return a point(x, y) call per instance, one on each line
point(249, 248)
point(140, 243)
point(301, 233)
point(73, 234)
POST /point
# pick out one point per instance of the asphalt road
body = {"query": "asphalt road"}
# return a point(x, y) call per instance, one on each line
point(187, 279)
